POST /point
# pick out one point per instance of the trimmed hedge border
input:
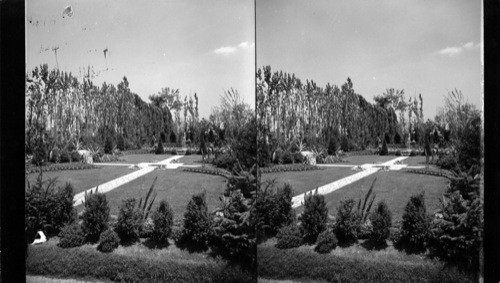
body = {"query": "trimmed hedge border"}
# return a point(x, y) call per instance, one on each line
point(363, 152)
point(79, 263)
point(289, 168)
point(60, 167)
point(296, 264)
point(440, 173)
point(136, 151)
point(209, 171)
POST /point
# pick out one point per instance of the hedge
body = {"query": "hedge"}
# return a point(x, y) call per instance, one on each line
point(46, 260)
point(296, 264)
point(60, 167)
point(289, 168)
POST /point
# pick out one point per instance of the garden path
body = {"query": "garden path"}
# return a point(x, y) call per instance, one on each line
point(367, 170)
point(144, 168)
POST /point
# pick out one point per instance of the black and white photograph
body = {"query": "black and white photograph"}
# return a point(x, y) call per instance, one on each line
point(371, 118)
point(138, 137)
point(251, 141)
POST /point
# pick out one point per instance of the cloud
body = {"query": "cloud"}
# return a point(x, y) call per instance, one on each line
point(457, 50)
point(227, 50)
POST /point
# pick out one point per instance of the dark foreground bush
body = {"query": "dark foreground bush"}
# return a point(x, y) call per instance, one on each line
point(289, 237)
point(129, 222)
point(95, 216)
point(348, 223)
point(326, 242)
point(163, 219)
point(415, 227)
point(314, 217)
point(296, 264)
point(71, 236)
point(197, 225)
point(57, 262)
point(108, 241)
point(381, 220)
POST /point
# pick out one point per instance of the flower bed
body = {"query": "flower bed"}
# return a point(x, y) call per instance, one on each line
point(209, 171)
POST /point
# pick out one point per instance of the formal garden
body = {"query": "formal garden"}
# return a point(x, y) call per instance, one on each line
point(158, 194)
point(385, 195)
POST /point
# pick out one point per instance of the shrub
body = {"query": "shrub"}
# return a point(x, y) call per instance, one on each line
point(47, 208)
point(55, 155)
point(225, 160)
point(314, 217)
point(415, 227)
point(75, 156)
point(384, 150)
point(71, 236)
point(234, 229)
point(298, 158)
point(447, 161)
point(326, 242)
point(398, 152)
point(332, 146)
point(64, 157)
point(129, 222)
point(287, 157)
point(189, 152)
point(344, 144)
point(381, 220)
point(282, 213)
point(457, 233)
point(173, 137)
point(163, 219)
point(108, 145)
point(173, 152)
point(197, 224)
point(120, 143)
point(348, 223)
point(95, 216)
point(108, 241)
point(159, 148)
point(289, 237)
point(39, 154)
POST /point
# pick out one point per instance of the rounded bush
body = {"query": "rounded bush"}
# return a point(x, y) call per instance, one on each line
point(173, 152)
point(108, 241)
point(129, 221)
point(163, 219)
point(71, 236)
point(348, 223)
point(159, 148)
point(384, 150)
point(381, 220)
point(326, 242)
point(415, 227)
point(64, 157)
point(289, 237)
point(298, 157)
point(55, 155)
point(95, 216)
point(75, 156)
point(287, 157)
point(314, 217)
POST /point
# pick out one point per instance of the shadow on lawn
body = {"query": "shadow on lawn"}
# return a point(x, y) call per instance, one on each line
point(373, 245)
point(152, 244)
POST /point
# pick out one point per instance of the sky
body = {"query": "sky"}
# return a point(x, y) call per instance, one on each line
point(203, 47)
point(427, 47)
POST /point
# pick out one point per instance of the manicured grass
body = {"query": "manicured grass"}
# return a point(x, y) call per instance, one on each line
point(84, 179)
point(192, 159)
point(363, 159)
point(304, 181)
point(175, 186)
point(395, 188)
point(417, 160)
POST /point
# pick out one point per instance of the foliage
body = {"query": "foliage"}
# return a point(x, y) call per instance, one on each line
point(313, 219)
point(55, 155)
point(197, 228)
point(159, 148)
point(71, 236)
point(305, 265)
point(381, 220)
point(95, 216)
point(457, 231)
point(273, 210)
point(225, 161)
point(364, 210)
point(289, 237)
point(75, 156)
point(47, 208)
point(234, 229)
point(326, 242)
point(289, 168)
point(52, 261)
point(129, 222)
point(65, 156)
point(415, 227)
point(163, 219)
point(384, 150)
point(108, 241)
point(40, 153)
point(348, 223)
point(120, 143)
point(145, 207)
point(109, 145)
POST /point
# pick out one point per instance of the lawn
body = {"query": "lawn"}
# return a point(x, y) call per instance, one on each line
point(303, 181)
point(395, 188)
point(193, 159)
point(175, 186)
point(84, 179)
